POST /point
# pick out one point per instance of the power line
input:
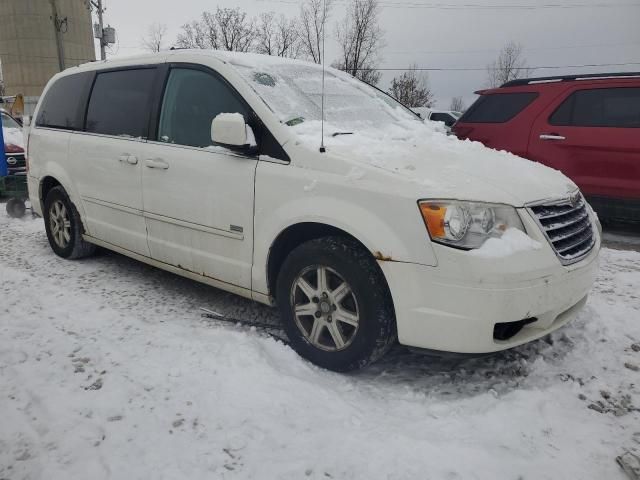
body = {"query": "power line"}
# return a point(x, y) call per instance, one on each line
point(478, 6)
point(482, 69)
point(555, 47)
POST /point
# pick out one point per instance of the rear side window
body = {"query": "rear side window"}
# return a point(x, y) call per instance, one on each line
point(600, 107)
point(498, 107)
point(120, 103)
point(63, 105)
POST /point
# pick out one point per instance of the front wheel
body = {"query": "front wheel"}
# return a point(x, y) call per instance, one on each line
point(335, 304)
point(64, 227)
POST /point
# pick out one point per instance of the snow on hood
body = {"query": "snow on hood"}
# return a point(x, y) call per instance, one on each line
point(376, 131)
point(446, 166)
point(13, 136)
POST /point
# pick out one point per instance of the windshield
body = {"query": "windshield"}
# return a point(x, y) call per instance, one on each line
point(8, 122)
point(294, 93)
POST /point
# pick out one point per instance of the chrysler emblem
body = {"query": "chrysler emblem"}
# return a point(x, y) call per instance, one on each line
point(574, 200)
point(11, 161)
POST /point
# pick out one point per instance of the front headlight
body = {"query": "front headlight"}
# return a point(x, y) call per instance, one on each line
point(467, 225)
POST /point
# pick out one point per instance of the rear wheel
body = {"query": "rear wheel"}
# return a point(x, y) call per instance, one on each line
point(64, 227)
point(335, 304)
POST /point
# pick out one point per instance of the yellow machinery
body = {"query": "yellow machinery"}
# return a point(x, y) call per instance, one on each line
point(13, 105)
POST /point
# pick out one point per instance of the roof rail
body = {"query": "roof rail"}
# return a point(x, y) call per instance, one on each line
point(567, 78)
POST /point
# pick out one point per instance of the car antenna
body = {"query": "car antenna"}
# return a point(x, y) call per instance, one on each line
point(324, 21)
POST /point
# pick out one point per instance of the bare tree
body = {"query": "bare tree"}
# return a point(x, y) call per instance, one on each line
point(153, 40)
point(210, 31)
point(412, 89)
point(361, 39)
point(510, 65)
point(225, 29)
point(313, 17)
point(193, 36)
point(457, 105)
point(277, 36)
point(236, 30)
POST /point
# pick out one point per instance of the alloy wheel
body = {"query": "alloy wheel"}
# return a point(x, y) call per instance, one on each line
point(60, 224)
point(325, 308)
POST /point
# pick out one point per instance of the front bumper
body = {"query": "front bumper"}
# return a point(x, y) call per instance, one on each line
point(455, 306)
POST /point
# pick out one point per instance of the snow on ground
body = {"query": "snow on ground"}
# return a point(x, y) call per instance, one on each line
point(107, 370)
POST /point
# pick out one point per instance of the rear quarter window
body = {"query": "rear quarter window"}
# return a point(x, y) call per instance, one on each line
point(600, 107)
point(63, 104)
point(498, 107)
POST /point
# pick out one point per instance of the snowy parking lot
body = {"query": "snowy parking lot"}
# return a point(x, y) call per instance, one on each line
point(109, 370)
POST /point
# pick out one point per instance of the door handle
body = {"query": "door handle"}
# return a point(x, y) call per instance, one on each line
point(551, 136)
point(156, 163)
point(130, 159)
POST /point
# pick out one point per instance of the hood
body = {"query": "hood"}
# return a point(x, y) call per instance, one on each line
point(421, 158)
point(13, 136)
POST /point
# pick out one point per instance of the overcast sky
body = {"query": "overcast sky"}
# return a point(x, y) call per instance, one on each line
point(440, 33)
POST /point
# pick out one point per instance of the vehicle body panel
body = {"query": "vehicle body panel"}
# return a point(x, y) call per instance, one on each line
point(112, 214)
point(603, 161)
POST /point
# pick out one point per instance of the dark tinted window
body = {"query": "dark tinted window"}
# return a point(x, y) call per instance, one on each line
point(120, 103)
point(498, 107)
point(443, 117)
point(63, 104)
point(192, 99)
point(601, 107)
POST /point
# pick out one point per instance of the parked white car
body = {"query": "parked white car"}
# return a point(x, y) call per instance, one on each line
point(209, 165)
point(448, 117)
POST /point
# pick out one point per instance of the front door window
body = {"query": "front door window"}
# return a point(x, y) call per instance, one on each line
point(192, 100)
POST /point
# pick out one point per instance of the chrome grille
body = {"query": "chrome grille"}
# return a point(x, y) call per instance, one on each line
point(567, 225)
point(16, 164)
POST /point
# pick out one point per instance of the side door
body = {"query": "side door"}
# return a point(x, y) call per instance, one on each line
point(199, 198)
point(592, 135)
point(106, 158)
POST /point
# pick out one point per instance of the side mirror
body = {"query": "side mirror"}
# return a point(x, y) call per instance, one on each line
point(230, 130)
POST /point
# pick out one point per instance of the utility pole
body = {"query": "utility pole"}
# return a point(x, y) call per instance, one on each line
point(99, 34)
point(57, 25)
point(103, 51)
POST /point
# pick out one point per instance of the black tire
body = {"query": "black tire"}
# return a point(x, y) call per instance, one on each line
point(16, 208)
point(376, 331)
point(75, 247)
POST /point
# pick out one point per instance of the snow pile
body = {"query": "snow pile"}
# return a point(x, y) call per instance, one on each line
point(512, 241)
point(107, 371)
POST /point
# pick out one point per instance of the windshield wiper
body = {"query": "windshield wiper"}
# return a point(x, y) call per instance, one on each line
point(294, 121)
point(335, 134)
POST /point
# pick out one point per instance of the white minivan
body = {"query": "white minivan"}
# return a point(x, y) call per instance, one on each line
point(368, 228)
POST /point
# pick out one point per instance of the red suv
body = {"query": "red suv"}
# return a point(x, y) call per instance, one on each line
point(586, 126)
